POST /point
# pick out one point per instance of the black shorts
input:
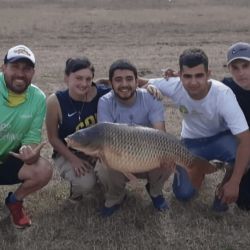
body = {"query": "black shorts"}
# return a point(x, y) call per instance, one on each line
point(9, 170)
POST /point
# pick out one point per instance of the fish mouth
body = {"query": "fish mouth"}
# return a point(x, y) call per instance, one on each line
point(68, 141)
point(73, 144)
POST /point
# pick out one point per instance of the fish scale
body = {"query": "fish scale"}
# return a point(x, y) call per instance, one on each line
point(134, 149)
point(145, 148)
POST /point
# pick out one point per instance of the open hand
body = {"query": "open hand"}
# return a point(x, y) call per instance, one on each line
point(28, 154)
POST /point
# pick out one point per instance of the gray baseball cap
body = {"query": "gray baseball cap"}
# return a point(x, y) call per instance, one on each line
point(238, 50)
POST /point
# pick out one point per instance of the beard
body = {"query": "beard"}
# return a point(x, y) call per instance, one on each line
point(125, 96)
point(17, 87)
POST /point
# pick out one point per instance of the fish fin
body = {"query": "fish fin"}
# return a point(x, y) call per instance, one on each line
point(196, 177)
point(130, 176)
point(203, 165)
point(221, 165)
point(198, 169)
point(170, 166)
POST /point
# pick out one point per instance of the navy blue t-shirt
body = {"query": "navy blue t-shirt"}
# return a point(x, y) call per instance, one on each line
point(76, 114)
point(243, 97)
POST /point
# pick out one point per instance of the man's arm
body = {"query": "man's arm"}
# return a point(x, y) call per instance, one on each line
point(159, 125)
point(234, 118)
point(156, 113)
point(142, 82)
point(229, 192)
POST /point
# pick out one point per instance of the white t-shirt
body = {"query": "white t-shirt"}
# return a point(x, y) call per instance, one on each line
point(217, 112)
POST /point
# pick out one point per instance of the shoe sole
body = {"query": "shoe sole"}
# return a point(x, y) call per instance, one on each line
point(19, 226)
point(12, 221)
point(73, 201)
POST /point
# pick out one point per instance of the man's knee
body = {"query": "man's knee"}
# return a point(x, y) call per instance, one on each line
point(83, 184)
point(40, 172)
point(110, 177)
point(184, 194)
point(102, 173)
point(182, 186)
point(44, 169)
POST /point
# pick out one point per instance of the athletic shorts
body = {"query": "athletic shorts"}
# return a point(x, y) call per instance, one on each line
point(9, 170)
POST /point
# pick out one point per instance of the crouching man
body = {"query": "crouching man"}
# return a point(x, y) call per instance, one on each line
point(22, 109)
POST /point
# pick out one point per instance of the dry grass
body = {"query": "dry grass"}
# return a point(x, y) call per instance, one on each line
point(151, 33)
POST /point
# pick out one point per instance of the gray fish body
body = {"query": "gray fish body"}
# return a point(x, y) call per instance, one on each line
point(131, 149)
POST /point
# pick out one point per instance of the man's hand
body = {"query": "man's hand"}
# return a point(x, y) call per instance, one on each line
point(168, 72)
point(29, 155)
point(155, 92)
point(228, 193)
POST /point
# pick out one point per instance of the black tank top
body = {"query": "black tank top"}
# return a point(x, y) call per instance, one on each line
point(76, 114)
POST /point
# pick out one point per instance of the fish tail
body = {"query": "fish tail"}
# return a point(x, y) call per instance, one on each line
point(221, 165)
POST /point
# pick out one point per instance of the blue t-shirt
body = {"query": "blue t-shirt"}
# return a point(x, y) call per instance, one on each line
point(144, 112)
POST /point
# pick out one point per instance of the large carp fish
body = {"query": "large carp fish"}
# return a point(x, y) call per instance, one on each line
point(135, 149)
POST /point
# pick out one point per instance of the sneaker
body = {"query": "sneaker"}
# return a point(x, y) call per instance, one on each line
point(218, 206)
point(18, 215)
point(159, 201)
point(108, 211)
point(75, 200)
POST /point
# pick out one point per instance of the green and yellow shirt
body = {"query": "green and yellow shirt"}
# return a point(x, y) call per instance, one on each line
point(21, 121)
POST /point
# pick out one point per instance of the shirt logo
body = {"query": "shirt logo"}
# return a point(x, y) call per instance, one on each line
point(22, 51)
point(25, 116)
point(71, 114)
point(183, 109)
point(235, 51)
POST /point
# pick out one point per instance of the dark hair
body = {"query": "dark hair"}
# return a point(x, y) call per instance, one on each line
point(193, 57)
point(75, 64)
point(122, 64)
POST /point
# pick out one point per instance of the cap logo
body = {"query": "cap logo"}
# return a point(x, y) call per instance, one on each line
point(22, 51)
point(234, 51)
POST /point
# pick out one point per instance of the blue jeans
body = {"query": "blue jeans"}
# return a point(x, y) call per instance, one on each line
point(221, 147)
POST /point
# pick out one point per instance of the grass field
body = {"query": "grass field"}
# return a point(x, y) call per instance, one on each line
point(152, 34)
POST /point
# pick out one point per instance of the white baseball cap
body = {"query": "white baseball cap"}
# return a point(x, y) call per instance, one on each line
point(238, 50)
point(19, 52)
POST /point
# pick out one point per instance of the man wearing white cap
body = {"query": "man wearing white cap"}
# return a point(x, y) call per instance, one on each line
point(238, 61)
point(22, 109)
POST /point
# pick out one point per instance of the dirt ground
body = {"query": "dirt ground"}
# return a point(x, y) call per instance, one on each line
point(152, 34)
